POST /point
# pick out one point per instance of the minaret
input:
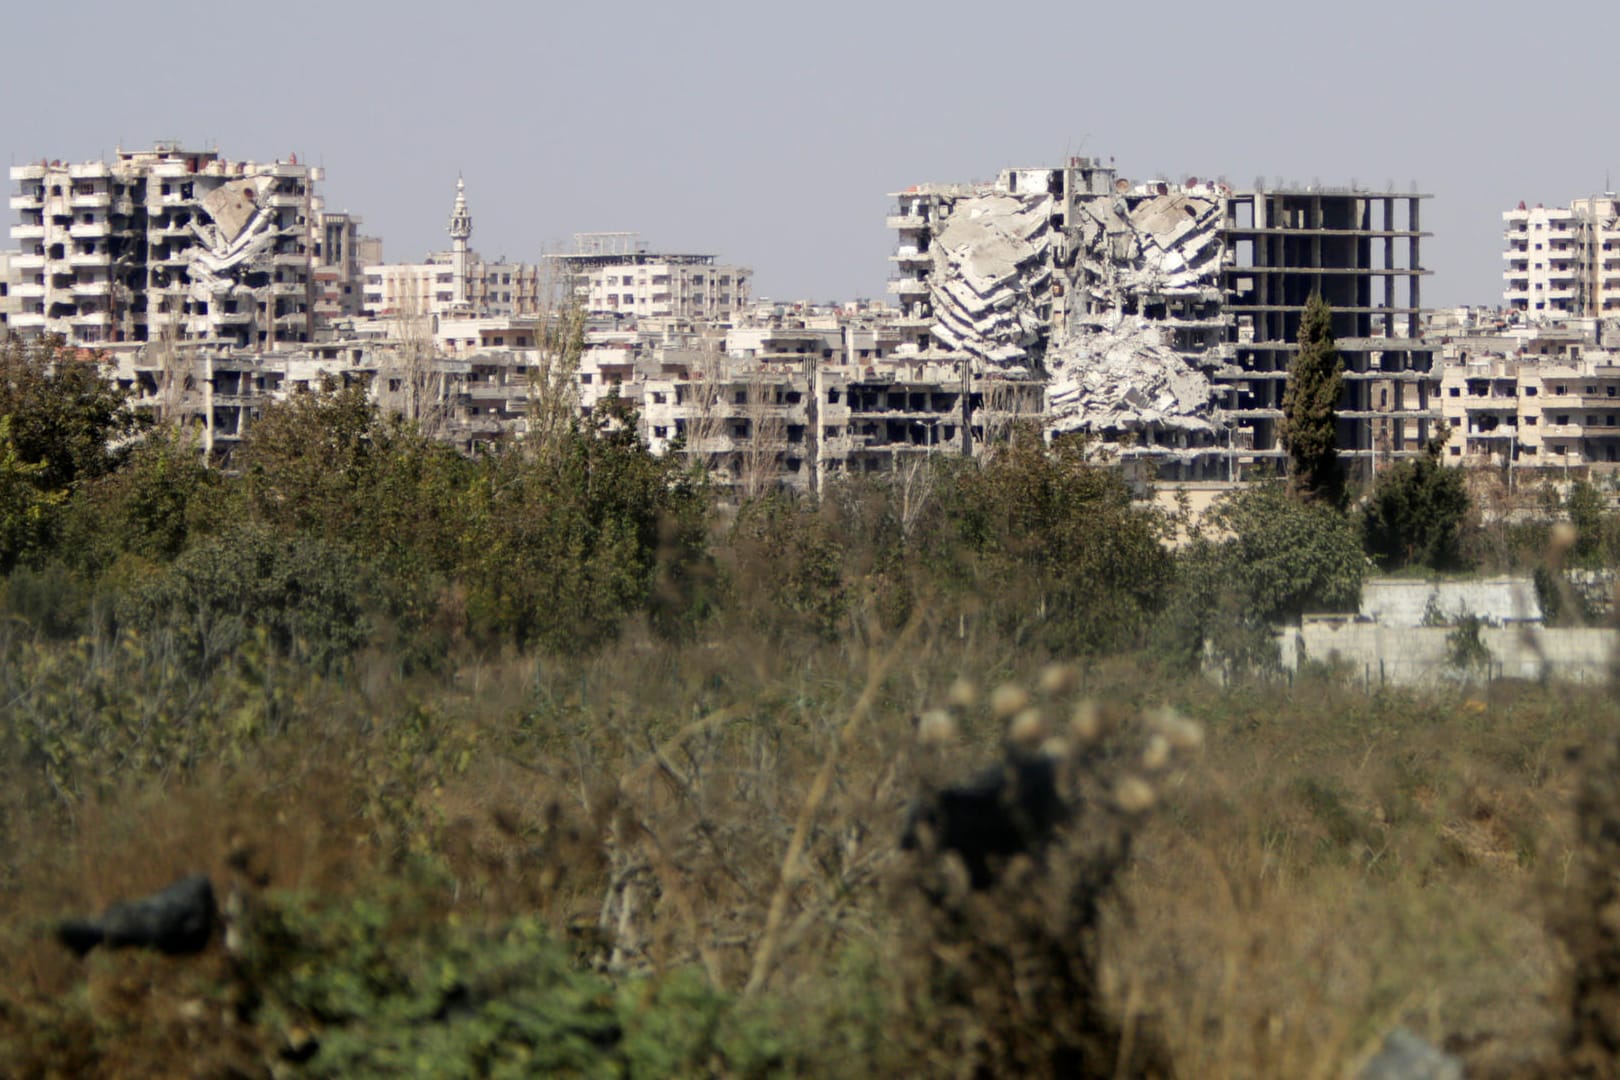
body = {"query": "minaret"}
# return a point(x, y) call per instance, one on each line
point(460, 231)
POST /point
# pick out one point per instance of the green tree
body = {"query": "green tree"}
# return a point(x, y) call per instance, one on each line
point(25, 509)
point(565, 537)
point(302, 593)
point(64, 423)
point(788, 566)
point(1266, 558)
point(1310, 406)
point(1415, 514)
point(150, 508)
point(66, 414)
point(307, 461)
point(1061, 554)
point(1594, 526)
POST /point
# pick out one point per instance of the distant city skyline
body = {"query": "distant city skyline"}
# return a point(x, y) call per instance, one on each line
point(770, 136)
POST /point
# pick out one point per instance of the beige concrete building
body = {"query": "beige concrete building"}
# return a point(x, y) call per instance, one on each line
point(458, 283)
point(1563, 261)
point(615, 274)
point(1542, 396)
point(339, 267)
point(1535, 414)
point(167, 243)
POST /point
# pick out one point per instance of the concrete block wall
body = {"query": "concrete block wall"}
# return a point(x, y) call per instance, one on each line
point(1417, 656)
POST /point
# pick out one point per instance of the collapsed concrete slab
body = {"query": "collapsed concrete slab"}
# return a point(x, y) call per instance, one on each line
point(992, 275)
point(1126, 379)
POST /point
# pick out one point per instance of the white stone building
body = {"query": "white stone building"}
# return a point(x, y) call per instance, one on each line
point(1563, 261)
point(615, 274)
point(8, 301)
point(456, 283)
point(166, 244)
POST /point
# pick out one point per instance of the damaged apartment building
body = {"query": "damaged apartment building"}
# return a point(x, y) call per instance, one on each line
point(796, 399)
point(171, 245)
point(203, 279)
point(1161, 316)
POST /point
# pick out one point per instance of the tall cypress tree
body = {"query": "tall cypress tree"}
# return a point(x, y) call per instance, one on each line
point(1310, 406)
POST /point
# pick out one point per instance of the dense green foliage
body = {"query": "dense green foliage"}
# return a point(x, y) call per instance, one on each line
point(1310, 406)
point(1414, 516)
point(1266, 558)
point(65, 414)
point(1061, 553)
point(395, 991)
point(62, 424)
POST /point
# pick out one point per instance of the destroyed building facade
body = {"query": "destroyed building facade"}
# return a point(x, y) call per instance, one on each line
point(1161, 316)
point(167, 244)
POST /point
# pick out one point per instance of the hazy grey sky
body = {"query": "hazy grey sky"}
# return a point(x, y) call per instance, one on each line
point(769, 134)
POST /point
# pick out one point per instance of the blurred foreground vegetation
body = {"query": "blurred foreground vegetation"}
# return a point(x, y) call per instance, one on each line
point(501, 760)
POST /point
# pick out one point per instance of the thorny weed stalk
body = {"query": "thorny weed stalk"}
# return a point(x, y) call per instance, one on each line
point(1005, 969)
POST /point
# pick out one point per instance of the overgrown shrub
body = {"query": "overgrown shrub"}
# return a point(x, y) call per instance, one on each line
point(1265, 557)
point(1415, 514)
point(302, 593)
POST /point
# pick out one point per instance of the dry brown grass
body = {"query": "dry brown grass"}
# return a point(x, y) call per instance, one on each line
point(1331, 865)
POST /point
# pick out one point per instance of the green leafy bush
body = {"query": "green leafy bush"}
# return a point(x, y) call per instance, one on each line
point(302, 593)
point(1414, 516)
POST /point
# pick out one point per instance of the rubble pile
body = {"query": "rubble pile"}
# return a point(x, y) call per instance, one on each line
point(1112, 369)
point(1166, 243)
point(1126, 378)
point(1112, 306)
point(992, 277)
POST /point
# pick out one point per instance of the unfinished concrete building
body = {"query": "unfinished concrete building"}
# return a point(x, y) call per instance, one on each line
point(1161, 317)
point(1361, 251)
point(167, 244)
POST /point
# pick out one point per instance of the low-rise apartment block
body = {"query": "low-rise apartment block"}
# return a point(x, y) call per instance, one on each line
point(1539, 397)
point(616, 274)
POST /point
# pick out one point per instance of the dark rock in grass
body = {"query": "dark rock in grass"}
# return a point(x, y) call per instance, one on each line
point(1008, 809)
point(179, 920)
